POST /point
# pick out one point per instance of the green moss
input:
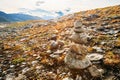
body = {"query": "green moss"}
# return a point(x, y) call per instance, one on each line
point(18, 60)
point(26, 48)
point(17, 24)
point(66, 42)
point(118, 38)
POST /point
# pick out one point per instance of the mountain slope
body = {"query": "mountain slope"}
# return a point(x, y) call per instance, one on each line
point(39, 51)
point(4, 17)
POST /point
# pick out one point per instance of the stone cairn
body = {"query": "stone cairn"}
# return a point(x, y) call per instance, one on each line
point(76, 56)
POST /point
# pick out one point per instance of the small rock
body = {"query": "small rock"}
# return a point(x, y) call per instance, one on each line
point(78, 27)
point(25, 70)
point(77, 24)
point(78, 30)
point(101, 28)
point(39, 67)
point(116, 17)
point(93, 16)
point(98, 49)
point(49, 51)
point(1, 55)
point(110, 78)
point(95, 56)
point(0, 70)
point(1, 78)
point(10, 77)
point(102, 71)
point(24, 63)
point(34, 62)
point(59, 52)
point(34, 55)
point(54, 56)
point(4, 72)
point(54, 37)
point(102, 43)
point(61, 43)
point(44, 46)
point(21, 77)
point(9, 56)
point(94, 71)
point(117, 51)
point(111, 32)
point(10, 70)
point(12, 66)
point(117, 43)
point(104, 23)
point(54, 45)
point(117, 31)
point(67, 78)
point(38, 58)
point(78, 77)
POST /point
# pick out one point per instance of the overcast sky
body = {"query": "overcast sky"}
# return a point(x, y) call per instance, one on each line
point(49, 7)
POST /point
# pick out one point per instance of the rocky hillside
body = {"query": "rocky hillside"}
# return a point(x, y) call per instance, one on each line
point(79, 46)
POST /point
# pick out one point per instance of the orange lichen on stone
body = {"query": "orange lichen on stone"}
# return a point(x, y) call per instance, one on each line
point(117, 43)
point(111, 59)
point(90, 49)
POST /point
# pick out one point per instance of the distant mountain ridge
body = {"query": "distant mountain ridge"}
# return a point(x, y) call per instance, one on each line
point(4, 17)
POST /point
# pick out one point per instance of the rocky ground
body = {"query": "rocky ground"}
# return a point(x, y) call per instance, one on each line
point(80, 46)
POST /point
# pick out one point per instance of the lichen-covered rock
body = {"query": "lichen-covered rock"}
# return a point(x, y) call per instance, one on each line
point(77, 24)
point(76, 48)
point(90, 49)
point(95, 56)
point(54, 45)
point(74, 63)
point(78, 77)
point(49, 51)
point(110, 78)
point(10, 77)
point(98, 49)
point(117, 43)
point(59, 52)
point(79, 38)
point(116, 51)
point(78, 30)
point(53, 37)
point(78, 27)
point(111, 59)
point(61, 43)
point(94, 71)
point(67, 78)
point(21, 77)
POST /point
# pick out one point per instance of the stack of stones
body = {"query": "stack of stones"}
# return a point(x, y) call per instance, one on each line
point(79, 35)
point(76, 56)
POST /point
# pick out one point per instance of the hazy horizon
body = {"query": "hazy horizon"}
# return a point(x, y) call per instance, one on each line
point(53, 8)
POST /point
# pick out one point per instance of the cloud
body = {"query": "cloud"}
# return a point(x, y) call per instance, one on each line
point(42, 13)
point(68, 10)
point(53, 8)
point(38, 3)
